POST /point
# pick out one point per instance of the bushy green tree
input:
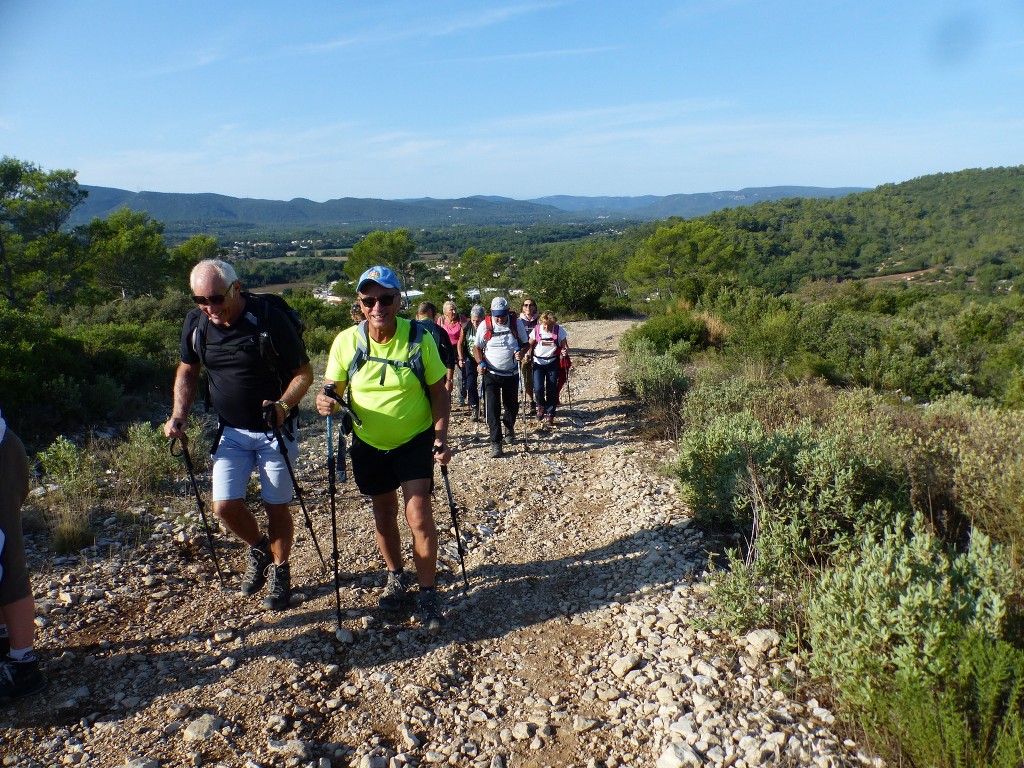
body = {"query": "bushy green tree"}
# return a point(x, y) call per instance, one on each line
point(394, 249)
point(575, 287)
point(37, 257)
point(127, 254)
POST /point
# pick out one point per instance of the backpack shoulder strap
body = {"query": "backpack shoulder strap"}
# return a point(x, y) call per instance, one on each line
point(414, 361)
point(416, 354)
point(362, 352)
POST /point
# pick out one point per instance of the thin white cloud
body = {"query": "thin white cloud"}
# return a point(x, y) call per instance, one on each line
point(478, 19)
point(526, 55)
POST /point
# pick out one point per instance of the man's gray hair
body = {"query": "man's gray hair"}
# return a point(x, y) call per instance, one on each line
point(225, 271)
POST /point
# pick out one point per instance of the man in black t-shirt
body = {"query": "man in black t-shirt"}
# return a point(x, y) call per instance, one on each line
point(224, 333)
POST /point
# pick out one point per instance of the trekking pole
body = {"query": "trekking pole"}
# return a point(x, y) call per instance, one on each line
point(199, 503)
point(522, 407)
point(332, 490)
point(455, 523)
point(482, 402)
point(270, 415)
point(568, 389)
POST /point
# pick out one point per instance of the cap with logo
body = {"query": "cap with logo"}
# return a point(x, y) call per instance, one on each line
point(382, 276)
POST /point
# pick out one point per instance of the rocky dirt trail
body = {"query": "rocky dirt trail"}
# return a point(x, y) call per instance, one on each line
point(579, 642)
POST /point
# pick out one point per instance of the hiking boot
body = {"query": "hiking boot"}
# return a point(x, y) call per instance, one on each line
point(495, 450)
point(540, 413)
point(475, 416)
point(256, 570)
point(20, 678)
point(551, 419)
point(429, 610)
point(396, 592)
point(510, 437)
point(279, 595)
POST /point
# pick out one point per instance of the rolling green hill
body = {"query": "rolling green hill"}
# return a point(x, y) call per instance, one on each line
point(220, 214)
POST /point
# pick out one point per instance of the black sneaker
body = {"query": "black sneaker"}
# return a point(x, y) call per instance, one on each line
point(20, 678)
point(396, 592)
point(279, 595)
point(429, 610)
point(256, 571)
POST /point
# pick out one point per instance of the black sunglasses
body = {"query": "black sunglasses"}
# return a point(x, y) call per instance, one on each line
point(371, 301)
point(529, 304)
point(212, 300)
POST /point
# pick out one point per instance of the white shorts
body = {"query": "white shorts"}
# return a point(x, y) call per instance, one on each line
point(239, 451)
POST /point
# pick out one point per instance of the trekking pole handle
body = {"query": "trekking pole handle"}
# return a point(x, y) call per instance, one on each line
point(331, 391)
point(270, 416)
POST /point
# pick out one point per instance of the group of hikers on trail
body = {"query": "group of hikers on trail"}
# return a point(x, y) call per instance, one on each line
point(397, 377)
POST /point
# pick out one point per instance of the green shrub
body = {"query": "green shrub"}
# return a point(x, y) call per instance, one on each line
point(986, 457)
point(663, 331)
point(971, 717)
point(77, 475)
point(657, 380)
point(319, 339)
point(142, 463)
point(890, 608)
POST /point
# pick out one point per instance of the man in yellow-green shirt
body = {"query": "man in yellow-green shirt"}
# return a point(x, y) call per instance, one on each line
point(404, 428)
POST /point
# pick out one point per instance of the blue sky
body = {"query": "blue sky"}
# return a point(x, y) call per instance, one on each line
point(399, 99)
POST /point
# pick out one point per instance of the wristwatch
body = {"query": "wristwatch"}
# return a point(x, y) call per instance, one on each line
point(284, 406)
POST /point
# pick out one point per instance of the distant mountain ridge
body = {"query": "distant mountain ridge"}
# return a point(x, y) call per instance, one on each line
point(209, 211)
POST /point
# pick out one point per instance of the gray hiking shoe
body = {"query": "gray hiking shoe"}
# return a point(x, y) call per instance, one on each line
point(396, 592)
point(510, 437)
point(256, 570)
point(429, 609)
point(495, 450)
point(279, 596)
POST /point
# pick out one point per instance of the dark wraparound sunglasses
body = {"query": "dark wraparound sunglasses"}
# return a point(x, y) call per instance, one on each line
point(212, 300)
point(371, 301)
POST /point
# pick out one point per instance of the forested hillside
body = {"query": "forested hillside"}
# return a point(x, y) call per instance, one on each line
point(187, 214)
point(107, 296)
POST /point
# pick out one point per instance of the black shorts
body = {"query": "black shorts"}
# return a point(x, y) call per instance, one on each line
point(376, 471)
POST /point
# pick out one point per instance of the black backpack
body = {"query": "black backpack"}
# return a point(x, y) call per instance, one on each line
point(264, 301)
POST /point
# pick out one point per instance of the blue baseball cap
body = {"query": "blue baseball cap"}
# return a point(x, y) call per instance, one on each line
point(381, 276)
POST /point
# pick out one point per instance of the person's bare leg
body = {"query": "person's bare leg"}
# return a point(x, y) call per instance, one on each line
point(20, 618)
point(385, 520)
point(420, 516)
point(280, 530)
point(239, 520)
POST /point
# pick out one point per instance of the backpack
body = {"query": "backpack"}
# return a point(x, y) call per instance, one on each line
point(536, 333)
point(269, 354)
point(489, 332)
point(415, 361)
point(443, 341)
